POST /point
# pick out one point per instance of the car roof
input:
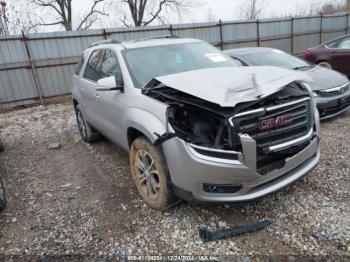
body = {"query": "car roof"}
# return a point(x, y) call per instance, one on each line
point(247, 50)
point(157, 41)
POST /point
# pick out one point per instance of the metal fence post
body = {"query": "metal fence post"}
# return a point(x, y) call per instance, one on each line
point(292, 35)
point(104, 34)
point(258, 32)
point(221, 35)
point(34, 73)
point(321, 28)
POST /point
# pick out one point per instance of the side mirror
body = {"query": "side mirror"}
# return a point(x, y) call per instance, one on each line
point(109, 84)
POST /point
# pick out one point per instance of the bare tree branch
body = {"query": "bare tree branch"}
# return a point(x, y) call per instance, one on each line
point(252, 9)
point(145, 12)
point(87, 16)
point(63, 9)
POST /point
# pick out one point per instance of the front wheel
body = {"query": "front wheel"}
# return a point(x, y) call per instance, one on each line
point(150, 174)
point(325, 65)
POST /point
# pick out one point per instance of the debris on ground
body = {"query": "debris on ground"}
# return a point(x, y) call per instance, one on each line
point(54, 146)
point(205, 235)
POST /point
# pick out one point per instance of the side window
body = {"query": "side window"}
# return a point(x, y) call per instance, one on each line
point(80, 64)
point(333, 44)
point(345, 43)
point(92, 67)
point(110, 65)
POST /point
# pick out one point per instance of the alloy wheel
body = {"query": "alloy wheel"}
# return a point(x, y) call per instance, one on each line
point(147, 174)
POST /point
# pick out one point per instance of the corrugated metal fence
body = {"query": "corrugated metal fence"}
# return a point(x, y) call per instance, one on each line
point(41, 65)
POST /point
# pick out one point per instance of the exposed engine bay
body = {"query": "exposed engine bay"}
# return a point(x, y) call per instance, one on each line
point(207, 124)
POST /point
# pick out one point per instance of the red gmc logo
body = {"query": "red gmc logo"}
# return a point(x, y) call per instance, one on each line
point(275, 122)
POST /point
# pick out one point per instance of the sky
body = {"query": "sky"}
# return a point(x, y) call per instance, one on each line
point(218, 9)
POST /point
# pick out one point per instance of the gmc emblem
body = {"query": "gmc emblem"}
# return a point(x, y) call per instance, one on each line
point(275, 122)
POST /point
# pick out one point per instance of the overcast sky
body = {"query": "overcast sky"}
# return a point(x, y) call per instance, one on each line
point(219, 9)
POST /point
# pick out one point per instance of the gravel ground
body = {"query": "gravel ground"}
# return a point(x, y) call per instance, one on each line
point(79, 200)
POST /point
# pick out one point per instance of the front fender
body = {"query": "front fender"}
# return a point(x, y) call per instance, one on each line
point(145, 122)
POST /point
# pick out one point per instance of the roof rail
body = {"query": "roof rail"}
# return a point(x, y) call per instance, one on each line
point(108, 41)
point(159, 37)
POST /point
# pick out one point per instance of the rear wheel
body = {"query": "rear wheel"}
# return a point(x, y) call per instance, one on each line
point(86, 132)
point(2, 196)
point(325, 65)
point(150, 174)
point(2, 147)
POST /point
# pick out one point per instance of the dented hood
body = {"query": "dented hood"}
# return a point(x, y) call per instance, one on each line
point(229, 86)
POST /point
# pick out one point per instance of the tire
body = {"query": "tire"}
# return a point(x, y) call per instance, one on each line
point(85, 130)
point(3, 200)
point(2, 147)
point(151, 174)
point(325, 65)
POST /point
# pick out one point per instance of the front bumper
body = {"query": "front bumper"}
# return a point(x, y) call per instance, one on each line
point(330, 107)
point(190, 171)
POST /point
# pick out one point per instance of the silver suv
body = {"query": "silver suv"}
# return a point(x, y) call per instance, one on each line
point(196, 124)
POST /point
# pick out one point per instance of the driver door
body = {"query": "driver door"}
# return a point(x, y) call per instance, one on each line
point(110, 104)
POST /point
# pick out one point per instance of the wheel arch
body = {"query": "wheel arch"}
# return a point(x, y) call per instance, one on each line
point(142, 123)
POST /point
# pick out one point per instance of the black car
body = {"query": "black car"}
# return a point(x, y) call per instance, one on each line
point(331, 89)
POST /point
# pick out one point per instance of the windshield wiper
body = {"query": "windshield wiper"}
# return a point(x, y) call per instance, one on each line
point(302, 67)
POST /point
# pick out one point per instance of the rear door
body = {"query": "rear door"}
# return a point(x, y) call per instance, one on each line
point(341, 56)
point(88, 86)
point(111, 104)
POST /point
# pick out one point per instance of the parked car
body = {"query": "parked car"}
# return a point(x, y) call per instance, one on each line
point(197, 125)
point(334, 54)
point(331, 89)
point(2, 190)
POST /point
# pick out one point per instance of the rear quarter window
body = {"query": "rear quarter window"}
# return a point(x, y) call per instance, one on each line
point(80, 65)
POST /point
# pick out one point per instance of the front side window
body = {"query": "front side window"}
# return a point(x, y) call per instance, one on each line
point(146, 63)
point(92, 70)
point(110, 65)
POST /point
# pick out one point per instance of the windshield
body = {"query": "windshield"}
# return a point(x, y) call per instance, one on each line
point(275, 58)
point(144, 64)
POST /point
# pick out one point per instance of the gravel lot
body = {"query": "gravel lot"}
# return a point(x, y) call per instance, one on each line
point(79, 200)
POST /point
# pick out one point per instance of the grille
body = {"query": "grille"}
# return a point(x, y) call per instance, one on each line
point(299, 123)
point(334, 91)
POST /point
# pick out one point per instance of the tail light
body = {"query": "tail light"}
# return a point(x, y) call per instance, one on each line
point(308, 54)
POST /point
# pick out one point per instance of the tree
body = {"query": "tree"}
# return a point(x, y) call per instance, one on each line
point(3, 19)
point(252, 9)
point(64, 11)
point(144, 12)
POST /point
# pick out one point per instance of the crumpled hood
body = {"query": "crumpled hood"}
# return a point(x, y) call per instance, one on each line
point(324, 78)
point(229, 86)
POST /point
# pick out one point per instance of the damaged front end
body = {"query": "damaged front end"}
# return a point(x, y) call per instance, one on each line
point(271, 121)
point(238, 152)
